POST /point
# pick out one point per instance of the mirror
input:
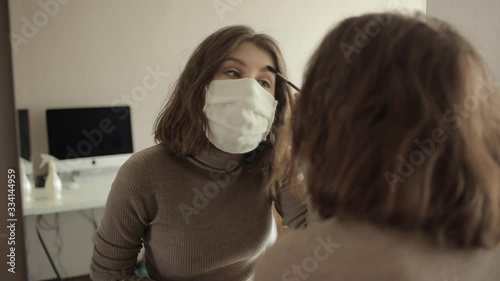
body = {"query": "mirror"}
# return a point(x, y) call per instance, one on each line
point(12, 232)
point(123, 55)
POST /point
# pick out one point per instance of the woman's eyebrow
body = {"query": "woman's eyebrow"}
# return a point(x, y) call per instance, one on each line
point(266, 69)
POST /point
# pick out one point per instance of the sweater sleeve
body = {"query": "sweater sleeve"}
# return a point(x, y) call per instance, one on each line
point(291, 208)
point(128, 210)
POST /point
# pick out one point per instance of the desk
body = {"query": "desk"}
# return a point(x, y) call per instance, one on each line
point(92, 194)
point(76, 232)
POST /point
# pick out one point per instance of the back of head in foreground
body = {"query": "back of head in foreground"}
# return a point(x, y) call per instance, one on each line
point(398, 124)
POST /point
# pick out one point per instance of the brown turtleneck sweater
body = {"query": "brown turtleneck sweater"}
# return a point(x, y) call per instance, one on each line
point(361, 251)
point(203, 218)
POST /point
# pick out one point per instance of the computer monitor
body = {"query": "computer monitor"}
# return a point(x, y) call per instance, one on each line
point(92, 134)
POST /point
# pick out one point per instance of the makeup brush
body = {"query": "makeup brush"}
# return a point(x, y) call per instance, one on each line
point(270, 68)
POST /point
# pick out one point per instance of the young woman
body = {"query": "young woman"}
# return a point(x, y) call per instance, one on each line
point(198, 200)
point(404, 166)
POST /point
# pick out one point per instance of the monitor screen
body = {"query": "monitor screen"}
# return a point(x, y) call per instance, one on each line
point(89, 132)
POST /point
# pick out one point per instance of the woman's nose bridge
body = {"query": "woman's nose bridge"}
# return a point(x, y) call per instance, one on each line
point(250, 74)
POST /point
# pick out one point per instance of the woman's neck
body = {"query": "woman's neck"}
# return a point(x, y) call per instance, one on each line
point(217, 160)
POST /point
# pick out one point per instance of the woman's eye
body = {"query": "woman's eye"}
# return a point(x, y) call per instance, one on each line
point(233, 73)
point(265, 84)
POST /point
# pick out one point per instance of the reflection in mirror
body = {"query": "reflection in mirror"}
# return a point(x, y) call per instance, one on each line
point(91, 77)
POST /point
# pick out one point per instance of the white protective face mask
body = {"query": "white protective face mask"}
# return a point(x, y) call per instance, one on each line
point(240, 114)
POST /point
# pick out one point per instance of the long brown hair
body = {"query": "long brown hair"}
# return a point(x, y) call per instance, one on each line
point(398, 124)
point(181, 124)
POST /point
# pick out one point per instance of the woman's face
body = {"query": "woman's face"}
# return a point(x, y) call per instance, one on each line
point(249, 61)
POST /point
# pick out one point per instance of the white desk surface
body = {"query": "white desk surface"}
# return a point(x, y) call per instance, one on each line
point(91, 194)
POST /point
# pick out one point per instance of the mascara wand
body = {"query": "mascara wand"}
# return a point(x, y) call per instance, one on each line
point(270, 68)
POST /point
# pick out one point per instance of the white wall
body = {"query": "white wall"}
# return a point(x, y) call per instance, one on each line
point(478, 21)
point(95, 52)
